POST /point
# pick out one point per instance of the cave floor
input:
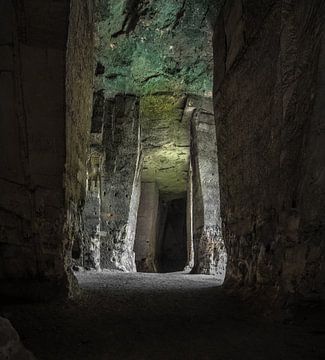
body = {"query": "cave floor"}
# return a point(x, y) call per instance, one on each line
point(159, 316)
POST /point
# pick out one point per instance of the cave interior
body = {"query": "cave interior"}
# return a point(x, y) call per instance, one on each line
point(162, 171)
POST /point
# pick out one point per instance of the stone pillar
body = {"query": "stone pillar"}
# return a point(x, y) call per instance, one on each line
point(120, 183)
point(189, 221)
point(91, 214)
point(147, 227)
point(91, 246)
point(209, 251)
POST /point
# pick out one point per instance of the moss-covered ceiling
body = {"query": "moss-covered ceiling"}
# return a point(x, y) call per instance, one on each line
point(158, 50)
point(145, 46)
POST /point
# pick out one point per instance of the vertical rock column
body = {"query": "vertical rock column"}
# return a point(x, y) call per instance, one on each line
point(91, 246)
point(120, 183)
point(189, 221)
point(147, 227)
point(92, 220)
point(209, 251)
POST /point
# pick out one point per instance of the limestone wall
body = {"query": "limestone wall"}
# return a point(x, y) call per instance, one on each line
point(269, 110)
point(34, 128)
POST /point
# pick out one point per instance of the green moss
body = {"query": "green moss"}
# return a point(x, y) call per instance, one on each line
point(169, 49)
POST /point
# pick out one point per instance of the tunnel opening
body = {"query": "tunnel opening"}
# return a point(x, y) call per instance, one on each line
point(152, 88)
point(172, 256)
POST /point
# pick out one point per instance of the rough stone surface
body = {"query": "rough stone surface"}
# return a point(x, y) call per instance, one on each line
point(32, 142)
point(38, 204)
point(79, 102)
point(269, 90)
point(91, 213)
point(165, 141)
point(146, 46)
point(120, 185)
point(209, 251)
point(189, 221)
point(10, 345)
point(145, 245)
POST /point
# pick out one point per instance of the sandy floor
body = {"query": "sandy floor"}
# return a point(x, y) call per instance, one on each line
point(159, 316)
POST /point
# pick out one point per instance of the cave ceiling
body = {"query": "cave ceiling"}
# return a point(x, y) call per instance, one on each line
point(159, 50)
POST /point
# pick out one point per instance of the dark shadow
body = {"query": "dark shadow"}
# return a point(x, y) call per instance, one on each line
point(173, 251)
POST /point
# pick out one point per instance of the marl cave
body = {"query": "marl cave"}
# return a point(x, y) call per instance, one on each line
point(163, 179)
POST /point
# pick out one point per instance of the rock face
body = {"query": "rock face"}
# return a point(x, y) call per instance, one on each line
point(165, 142)
point(91, 213)
point(79, 103)
point(42, 178)
point(209, 251)
point(10, 345)
point(145, 245)
point(120, 185)
point(149, 46)
point(268, 91)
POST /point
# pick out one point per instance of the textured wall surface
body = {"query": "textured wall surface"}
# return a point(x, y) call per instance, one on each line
point(90, 247)
point(32, 110)
point(147, 227)
point(269, 91)
point(35, 228)
point(209, 251)
point(10, 346)
point(165, 142)
point(151, 46)
point(79, 103)
point(120, 185)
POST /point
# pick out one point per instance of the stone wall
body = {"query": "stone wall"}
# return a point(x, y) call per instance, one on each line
point(32, 109)
point(10, 346)
point(33, 201)
point(147, 228)
point(120, 184)
point(209, 251)
point(269, 110)
point(189, 221)
point(79, 102)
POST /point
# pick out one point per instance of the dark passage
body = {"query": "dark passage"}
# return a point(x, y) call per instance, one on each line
point(173, 245)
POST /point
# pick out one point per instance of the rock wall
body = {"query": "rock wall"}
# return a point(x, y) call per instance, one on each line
point(120, 185)
point(32, 110)
point(10, 346)
point(33, 200)
point(189, 221)
point(209, 251)
point(90, 252)
point(79, 103)
point(147, 228)
point(268, 92)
